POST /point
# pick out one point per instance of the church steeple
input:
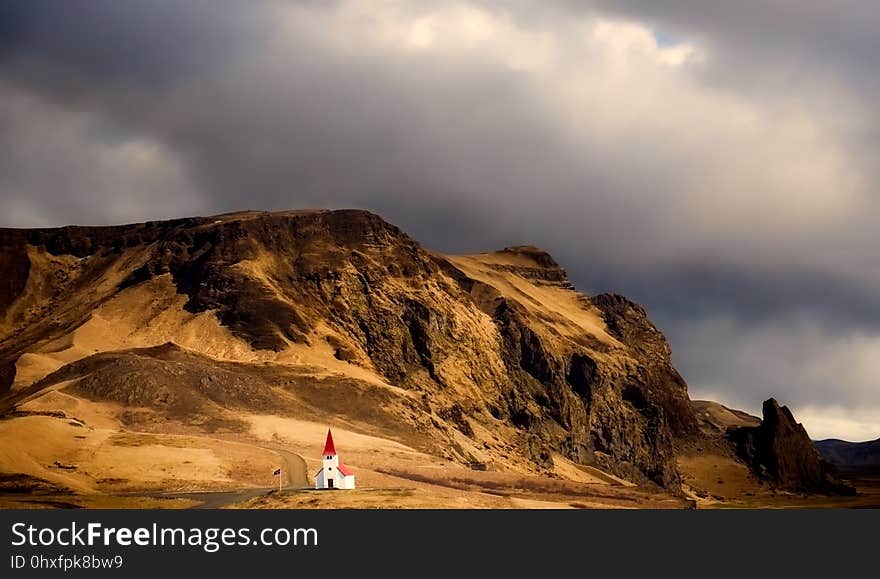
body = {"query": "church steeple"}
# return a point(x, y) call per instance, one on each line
point(329, 447)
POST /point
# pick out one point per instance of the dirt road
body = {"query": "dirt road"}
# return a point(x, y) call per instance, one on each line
point(295, 469)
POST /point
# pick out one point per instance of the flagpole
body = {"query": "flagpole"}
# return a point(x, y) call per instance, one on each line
point(280, 474)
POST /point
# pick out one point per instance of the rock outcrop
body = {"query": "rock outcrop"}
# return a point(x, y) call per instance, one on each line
point(780, 451)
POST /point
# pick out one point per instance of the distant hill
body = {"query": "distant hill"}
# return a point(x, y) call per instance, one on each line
point(714, 418)
point(851, 455)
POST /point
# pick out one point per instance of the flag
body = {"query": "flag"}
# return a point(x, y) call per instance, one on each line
point(277, 472)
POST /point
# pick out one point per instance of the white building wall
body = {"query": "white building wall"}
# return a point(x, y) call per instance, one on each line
point(329, 472)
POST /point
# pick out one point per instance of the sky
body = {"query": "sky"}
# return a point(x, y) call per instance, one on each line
point(718, 162)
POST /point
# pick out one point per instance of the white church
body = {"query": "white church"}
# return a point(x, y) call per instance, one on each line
point(334, 474)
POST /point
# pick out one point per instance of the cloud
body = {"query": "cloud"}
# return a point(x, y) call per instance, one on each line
point(835, 421)
point(58, 168)
point(716, 163)
point(816, 372)
point(781, 358)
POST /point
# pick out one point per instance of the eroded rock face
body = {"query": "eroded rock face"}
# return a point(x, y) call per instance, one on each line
point(657, 380)
point(780, 451)
point(600, 403)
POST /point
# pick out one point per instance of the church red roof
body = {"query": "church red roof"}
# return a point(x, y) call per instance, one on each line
point(329, 448)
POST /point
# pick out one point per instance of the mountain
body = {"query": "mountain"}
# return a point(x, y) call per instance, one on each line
point(225, 325)
point(851, 455)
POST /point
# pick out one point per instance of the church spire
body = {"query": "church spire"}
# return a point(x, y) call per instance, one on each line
point(329, 447)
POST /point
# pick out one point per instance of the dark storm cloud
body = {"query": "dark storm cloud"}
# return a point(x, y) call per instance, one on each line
point(749, 294)
point(717, 163)
point(146, 44)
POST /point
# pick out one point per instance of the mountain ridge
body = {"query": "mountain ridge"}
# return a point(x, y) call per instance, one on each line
point(485, 358)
